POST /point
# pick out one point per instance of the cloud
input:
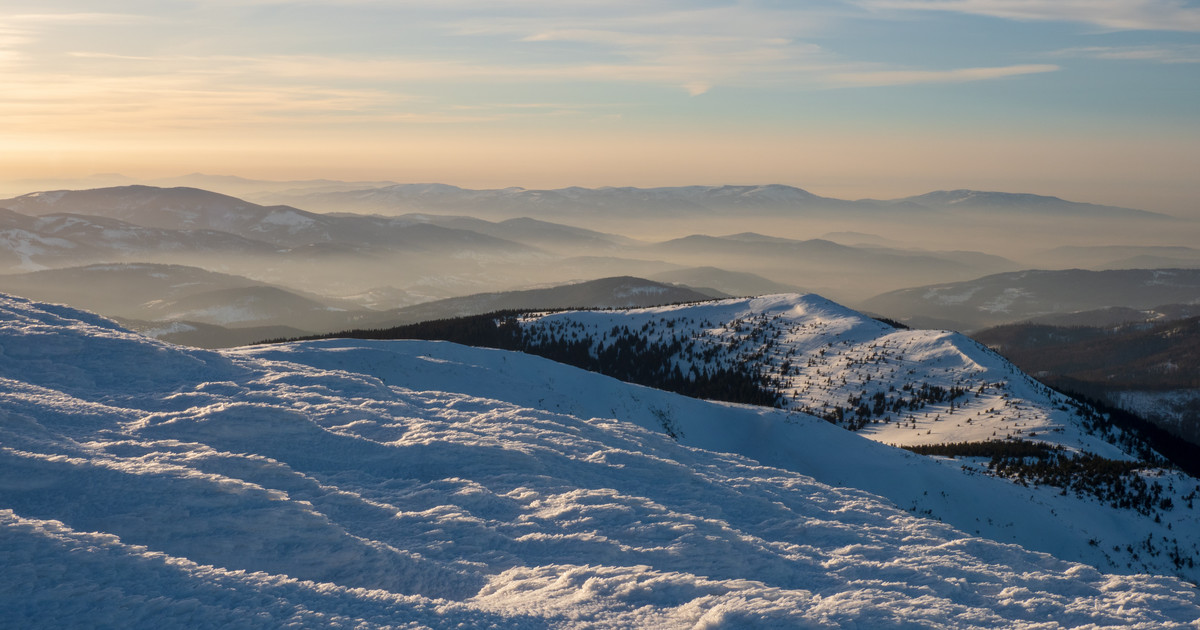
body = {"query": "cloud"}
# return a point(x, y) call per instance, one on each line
point(1159, 54)
point(739, 44)
point(671, 44)
point(1157, 15)
point(912, 77)
point(84, 18)
point(196, 101)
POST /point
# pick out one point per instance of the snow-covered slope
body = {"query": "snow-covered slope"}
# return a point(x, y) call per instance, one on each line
point(897, 386)
point(404, 484)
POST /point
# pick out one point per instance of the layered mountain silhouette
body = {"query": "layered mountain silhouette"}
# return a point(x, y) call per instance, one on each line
point(1019, 296)
point(684, 200)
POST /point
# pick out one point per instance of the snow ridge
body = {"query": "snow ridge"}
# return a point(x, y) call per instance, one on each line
point(828, 360)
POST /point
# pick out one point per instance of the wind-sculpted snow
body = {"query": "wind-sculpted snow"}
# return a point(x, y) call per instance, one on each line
point(395, 484)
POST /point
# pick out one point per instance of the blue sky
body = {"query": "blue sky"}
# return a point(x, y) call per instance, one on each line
point(1087, 99)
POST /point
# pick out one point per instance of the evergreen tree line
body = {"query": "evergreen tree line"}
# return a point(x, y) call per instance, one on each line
point(1117, 483)
point(629, 355)
point(1180, 452)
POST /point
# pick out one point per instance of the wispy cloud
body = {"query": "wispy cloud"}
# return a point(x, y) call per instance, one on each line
point(1157, 15)
point(694, 49)
point(191, 101)
point(1159, 54)
point(13, 40)
point(78, 18)
point(881, 78)
point(747, 44)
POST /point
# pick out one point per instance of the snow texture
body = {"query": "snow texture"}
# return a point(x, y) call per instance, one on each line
point(405, 485)
point(823, 355)
point(833, 354)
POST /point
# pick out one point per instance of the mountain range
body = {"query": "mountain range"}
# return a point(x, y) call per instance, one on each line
point(343, 254)
point(226, 184)
point(345, 264)
point(178, 293)
point(373, 196)
point(684, 200)
point(196, 307)
point(280, 226)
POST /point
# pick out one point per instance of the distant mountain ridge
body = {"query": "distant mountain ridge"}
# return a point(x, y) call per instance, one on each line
point(681, 200)
point(1022, 202)
point(57, 239)
point(533, 232)
point(617, 292)
point(281, 226)
point(730, 283)
point(202, 228)
point(169, 293)
point(822, 264)
point(192, 306)
point(383, 193)
point(515, 201)
point(1022, 295)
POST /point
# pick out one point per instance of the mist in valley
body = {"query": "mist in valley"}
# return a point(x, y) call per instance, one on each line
point(322, 257)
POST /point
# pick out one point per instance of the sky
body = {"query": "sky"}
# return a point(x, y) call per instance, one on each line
point(1091, 100)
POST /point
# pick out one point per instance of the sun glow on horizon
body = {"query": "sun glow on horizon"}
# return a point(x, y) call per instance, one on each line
point(856, 98)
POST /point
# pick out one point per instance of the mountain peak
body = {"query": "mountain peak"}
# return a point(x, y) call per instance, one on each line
point(1022, 202)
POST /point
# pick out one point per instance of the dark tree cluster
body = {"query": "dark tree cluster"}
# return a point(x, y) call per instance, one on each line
point(646, 355)
point(493, 330)
point(1141, 436)
point(891, 322)
point(862, 409)
point(1117, 483)
point(670, 362)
